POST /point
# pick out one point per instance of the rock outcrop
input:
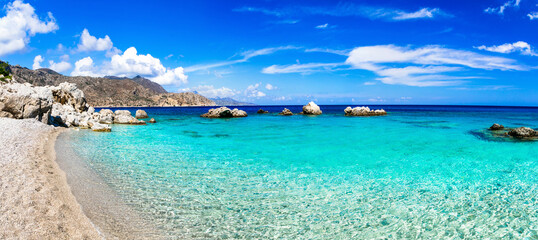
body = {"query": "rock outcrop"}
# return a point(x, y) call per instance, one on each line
point(363, 111)
point(261, 111)
point(311, 109)
point(24, 101)
point(140, 114)
point(224, 112)
point(496, 127)
point(125, 117)
point(286, 112)
point(523, 132)
point(152, 120)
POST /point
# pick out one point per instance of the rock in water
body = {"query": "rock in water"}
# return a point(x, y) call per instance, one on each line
point(141, 114)
point(105, 116)
point(25, 101)
point(125, 117)
point(152, 120)
point(286, 112)
point(496, 126)
point(97, 127)
point(239, 113)
point(522, 132)
point(224, 112)
point(311, 109)
point(363, 111)
point(261, 111)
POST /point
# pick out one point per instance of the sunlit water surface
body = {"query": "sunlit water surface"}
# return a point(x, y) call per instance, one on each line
point(420, 172)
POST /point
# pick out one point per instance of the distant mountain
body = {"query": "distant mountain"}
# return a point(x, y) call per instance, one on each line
point(230, 102)
point(112, 91)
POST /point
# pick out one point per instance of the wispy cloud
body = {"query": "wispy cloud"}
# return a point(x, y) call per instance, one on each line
point(500, 9)
point(322, 26)
point(350, 10)
point(301, 68)
point(245, 57)
point(328, 50)
point(424, 66)
point(533, 15)
point(520, 46)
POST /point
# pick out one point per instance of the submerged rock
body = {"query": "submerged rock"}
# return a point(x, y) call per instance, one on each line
point(363, 111)
point(224, 112)
point(261, 111)
point(152, 120)
point(311, 109)
point(286, 112)
point(496, 126)
point(141, 114)
point(522, 132)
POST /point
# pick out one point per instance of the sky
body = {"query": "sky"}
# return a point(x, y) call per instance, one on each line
point(290, 52)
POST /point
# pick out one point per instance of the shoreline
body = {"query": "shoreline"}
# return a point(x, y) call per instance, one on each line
point(37, 202)
point(99, 202)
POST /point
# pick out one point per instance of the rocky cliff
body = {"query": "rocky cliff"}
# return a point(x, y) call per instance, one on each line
point(112, 91)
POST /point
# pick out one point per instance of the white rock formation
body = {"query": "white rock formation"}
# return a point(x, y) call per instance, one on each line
point(141, 114)
point(311, 109)
point(363, 111)
point(24, 101)
point(224, 112)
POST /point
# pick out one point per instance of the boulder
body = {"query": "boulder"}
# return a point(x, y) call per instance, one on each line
point(105, 116)
point(286, 112)
point(239, 113)
point(496, 126)
point(125, 117)
point(522, 132)
point(68, 94)
point(152, 120)
point(363, 111)
point(221, 112)
point(25, 101)
point(311, 109)
point(141, 114)
point(98, 127)
point(261, 111)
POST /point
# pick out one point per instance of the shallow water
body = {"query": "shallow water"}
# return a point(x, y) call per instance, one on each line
point(419, 172)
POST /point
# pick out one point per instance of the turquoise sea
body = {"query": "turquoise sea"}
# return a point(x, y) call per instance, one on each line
point(427, 172)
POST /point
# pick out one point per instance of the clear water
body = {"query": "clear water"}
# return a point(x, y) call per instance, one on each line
point(420, 172)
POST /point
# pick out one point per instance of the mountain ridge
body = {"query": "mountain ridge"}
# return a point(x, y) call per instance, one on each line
point(112, 91)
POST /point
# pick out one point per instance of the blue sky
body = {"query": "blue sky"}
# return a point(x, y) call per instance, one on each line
point(290, 52)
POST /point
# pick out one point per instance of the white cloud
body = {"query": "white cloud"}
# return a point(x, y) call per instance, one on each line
point(64, 57)
point(85, 67)
point(426, 66)
point(37, 62)
point(245, 57)
point(422, 13)
point(129, 64)
point(20, 23)
point(269, 87)
point(60, 66)
point(532, 15)
point(369, 83)
point(500, 10)
point(252, 91)
point(301, 68)
point(282, 98)
point(520, 46)
point(322, 26)
point(351, 9)
point(327, 50)
point(90, 43)
point(211, 92)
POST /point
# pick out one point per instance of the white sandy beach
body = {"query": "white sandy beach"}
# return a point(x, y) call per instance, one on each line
point(35, 200)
